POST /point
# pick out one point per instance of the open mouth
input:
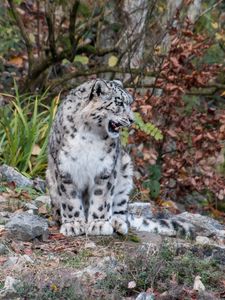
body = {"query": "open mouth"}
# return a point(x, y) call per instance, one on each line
point(114, 127)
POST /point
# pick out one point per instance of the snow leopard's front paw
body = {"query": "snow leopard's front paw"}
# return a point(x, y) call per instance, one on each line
point(73, 228)
point(99, 227)
point(119, 225)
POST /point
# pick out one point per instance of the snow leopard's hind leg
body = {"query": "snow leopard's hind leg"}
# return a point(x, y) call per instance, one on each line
point(51, 179)
point(66, 200)
point(54, 196)
point(123, 187)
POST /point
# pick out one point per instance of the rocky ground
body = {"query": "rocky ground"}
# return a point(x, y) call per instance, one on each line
point(37, 262)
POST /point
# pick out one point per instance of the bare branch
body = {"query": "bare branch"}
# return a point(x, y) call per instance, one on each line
point(23, 32)
point(209, 9)
point(51, 30)
point(86, 26)
point(73, 17)
point(38, 27)
point(56, 82)
point(87, 49)
point(95, 71)
point(208, 90)
point(44, 64)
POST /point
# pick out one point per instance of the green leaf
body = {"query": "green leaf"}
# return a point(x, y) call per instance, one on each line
point(116, 27)
point(65, 61)
point(148, 127)
point(81, 59)
point(84, 10)
point(112, 61)
point(154, 188)
point(155, 172)
point(26, 121)
point(124, 136)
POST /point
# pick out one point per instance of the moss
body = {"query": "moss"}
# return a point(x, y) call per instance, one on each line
point(158, 270)
point(28, 291)
point(76, 260)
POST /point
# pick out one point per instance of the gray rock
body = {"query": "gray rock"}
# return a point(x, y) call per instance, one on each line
point(11, 261)
point(3, 249)
point(10, 174)
point(27, 227)
point(5, 214)
point(218, 254)
point(9, 289)
point(171, 146)
point(17, 262)
point(27, 258)
point(145, 296)
point(202, 240)
point(2, 200)
point(193, 198)
point(39, 184)
point(140, 209)
point(31, 208)
point(4, 217)
point(39, 201)
point(101, 267)
point(172, 183)
point(3, 220)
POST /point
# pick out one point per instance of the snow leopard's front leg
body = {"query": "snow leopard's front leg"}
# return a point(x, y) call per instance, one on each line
point(71, 207)
point(100, 207)
point(123, 186)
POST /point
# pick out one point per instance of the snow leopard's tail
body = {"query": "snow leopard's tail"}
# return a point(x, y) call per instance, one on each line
point(170, 227)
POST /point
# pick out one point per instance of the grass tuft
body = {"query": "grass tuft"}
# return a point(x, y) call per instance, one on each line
point(25, 124)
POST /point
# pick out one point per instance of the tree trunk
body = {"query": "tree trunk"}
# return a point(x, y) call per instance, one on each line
point(133, 38)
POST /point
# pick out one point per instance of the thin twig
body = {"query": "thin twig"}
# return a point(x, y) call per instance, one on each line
point(73, 17)
point(208, 9)
point(87, 49)
point(51, 30)
point(23, 32)
point(38, 27)
point(105, 69)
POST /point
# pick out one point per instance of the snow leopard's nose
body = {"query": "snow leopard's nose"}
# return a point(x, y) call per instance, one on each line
point(131, 120)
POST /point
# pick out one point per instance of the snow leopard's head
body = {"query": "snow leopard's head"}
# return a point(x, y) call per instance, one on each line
point(110, 106)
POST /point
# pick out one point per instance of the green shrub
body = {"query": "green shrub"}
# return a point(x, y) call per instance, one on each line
point(153, 181)
point(9, 34)
point(155, 270)
point(148, 127)
point(24, 128)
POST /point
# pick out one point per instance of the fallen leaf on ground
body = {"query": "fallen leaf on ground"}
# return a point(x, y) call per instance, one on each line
point(198, 285)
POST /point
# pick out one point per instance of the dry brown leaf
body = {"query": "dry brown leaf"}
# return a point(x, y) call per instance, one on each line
point(175, 62)
point(3, 259)
point(17, 61)
point(198, 285)
point(171, 133)
point(43, 209)
point(36, 150)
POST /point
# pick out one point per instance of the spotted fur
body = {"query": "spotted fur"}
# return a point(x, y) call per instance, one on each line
point(89, 175)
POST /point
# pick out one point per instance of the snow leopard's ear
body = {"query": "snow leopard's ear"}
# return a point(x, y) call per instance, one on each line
point(99, 89)
point(118, 82)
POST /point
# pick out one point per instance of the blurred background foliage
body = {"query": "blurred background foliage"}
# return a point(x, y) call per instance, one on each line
point(170, 54)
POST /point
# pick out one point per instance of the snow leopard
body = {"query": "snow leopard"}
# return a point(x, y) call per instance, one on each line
point(89, 174)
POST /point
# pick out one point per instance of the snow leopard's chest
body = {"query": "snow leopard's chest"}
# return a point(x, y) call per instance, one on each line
point(87, 158)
